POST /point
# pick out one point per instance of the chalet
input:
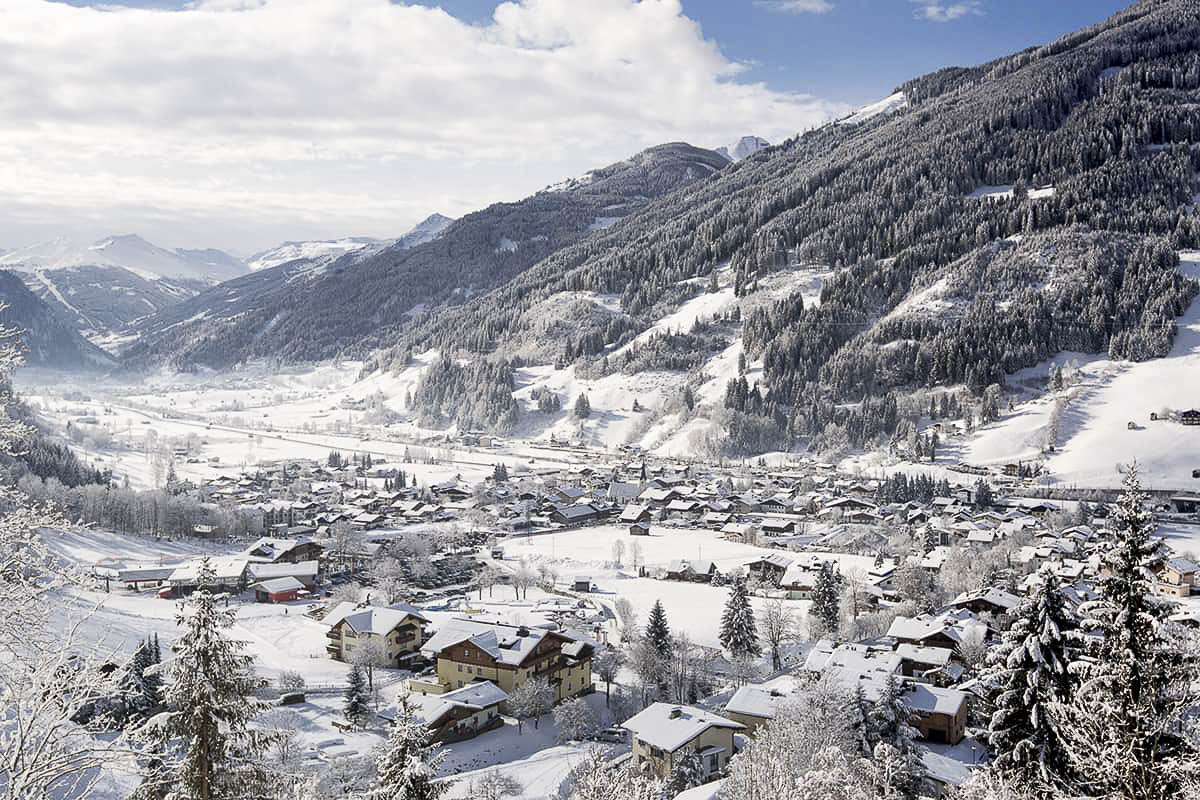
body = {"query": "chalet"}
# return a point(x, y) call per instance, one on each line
point(1190, 417)
point(754, 706)
point(399, 629)
point(229, 575)
point(921, 662)
point(662, 733)
point(939, 715)
point(696, 571)
point(634, 513)
point(779, 504)
point(778, 527)
point(684, 509)
point(946, 630)
point(367, 521)
point(639, 529)
point(278, 590)
point(1176, 577)
point(579, 514)
point(287, 550)
point(658, 497)
point(770, 568)
point(798, 581)
point(507, 655)
point(305, 572)
point(716, 519)
point(990, 600)
point(741, 531)
point(460, 714)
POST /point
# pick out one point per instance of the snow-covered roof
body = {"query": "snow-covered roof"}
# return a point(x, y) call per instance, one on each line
point(378, 620)
point(754, 701)
point(508, 644)
point(261, 572)
point(277, 585)
point(933, 700)
point(670, 727)
point(225, 569)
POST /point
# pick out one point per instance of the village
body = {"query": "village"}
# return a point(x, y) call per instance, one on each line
point(510, 611)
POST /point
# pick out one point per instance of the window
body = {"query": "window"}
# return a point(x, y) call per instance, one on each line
point(460, 667)
point(470, 671)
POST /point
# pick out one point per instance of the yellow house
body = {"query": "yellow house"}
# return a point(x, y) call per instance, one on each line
point(508, 656)
point(664, 733)
point(399, 629)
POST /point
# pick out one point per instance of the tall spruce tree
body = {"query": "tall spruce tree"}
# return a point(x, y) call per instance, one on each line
point(357, 706)
point(209, 709)
point(825, 608)
point(1124, 727)
point(739, 635)
point(1029, 675)
point(657, 634)
point(408, 763)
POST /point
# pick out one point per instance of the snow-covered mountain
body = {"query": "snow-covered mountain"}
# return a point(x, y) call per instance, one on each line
point(130, 252)
point(315, 250)
point(743, 147)
point(324, 250)
point(426, 230)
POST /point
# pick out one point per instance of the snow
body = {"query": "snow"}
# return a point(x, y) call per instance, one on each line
point(888, 105)
point(1004, 191)
point(602, 223)
point(743, 148)
point(130, 252)
point(311, 250)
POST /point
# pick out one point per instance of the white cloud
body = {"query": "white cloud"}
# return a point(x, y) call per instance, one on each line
point(797, 6)
point(242, 122)
point(936, 11)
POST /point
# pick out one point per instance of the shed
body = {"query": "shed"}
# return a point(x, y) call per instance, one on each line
point(278, 590)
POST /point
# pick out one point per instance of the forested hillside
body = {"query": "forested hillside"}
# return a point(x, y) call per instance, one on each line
point(300, 311)
point(1047, 190)
point(46, 340)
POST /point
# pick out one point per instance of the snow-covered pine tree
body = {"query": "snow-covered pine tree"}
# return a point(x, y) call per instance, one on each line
point(408, 762)
point(739, 635)
point(825, 609)
point(358, 700)
point(1124, 727)
point(210, 707)
point(687, 772)
point(141, 685)
point(657, 633)
point(1029, 674)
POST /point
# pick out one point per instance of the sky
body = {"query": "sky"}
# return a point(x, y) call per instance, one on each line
point(239, 124)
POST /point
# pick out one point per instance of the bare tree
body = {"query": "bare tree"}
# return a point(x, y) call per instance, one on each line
point(608, 663)
point(626, 616)
point(369, 653)
point(618, 552)
point(524, 576)
point(777, 625)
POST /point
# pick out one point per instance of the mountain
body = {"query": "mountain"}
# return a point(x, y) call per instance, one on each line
point(972, 225)
point(48, 341)
point(424, 231)
point(314, 250)
point(130, 252)
point(101, 301)
point(360, 300)
point(320, 250)
point(743, 147)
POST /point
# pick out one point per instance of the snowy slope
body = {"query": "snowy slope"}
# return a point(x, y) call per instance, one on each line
point(887, 105)
point(309, 251)
point(1102, 398)
point(130, 252)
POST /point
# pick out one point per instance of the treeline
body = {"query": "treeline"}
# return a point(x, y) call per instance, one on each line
point(151, 512)
point(473, 395)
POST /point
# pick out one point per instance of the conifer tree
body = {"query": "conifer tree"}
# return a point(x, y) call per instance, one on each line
point(357, 706)
point(408, 763)
point(739, 634)
point(1123, 730)
point(1029, 673)
point(210, 707)
point(826, 602)
point(657, 634)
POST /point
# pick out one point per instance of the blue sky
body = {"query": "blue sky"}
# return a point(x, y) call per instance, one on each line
point(242, 123)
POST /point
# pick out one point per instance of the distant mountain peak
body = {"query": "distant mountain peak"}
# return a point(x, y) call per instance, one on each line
point(127, 251)
point(743, 147)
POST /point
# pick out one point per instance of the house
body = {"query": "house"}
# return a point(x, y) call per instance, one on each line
point(946, 630)
point(778, 527)
point(639, 529)
point(939, 715)
point(398, 630)
point(920, 662)
point(578, 514)
point(753, 706)
point(634, 512)
point(684, 570)
point(663, 733)
point(990, 600)
point(229, 575)
point(1190, 417)
point(582, 584)
point(303, 571)
point(278, 590)
point(769, 568)
point(460, 714)
point(366, 521)
point(716, 519)
point(507, 655)
point(1176, 577)
point(1186, 503)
